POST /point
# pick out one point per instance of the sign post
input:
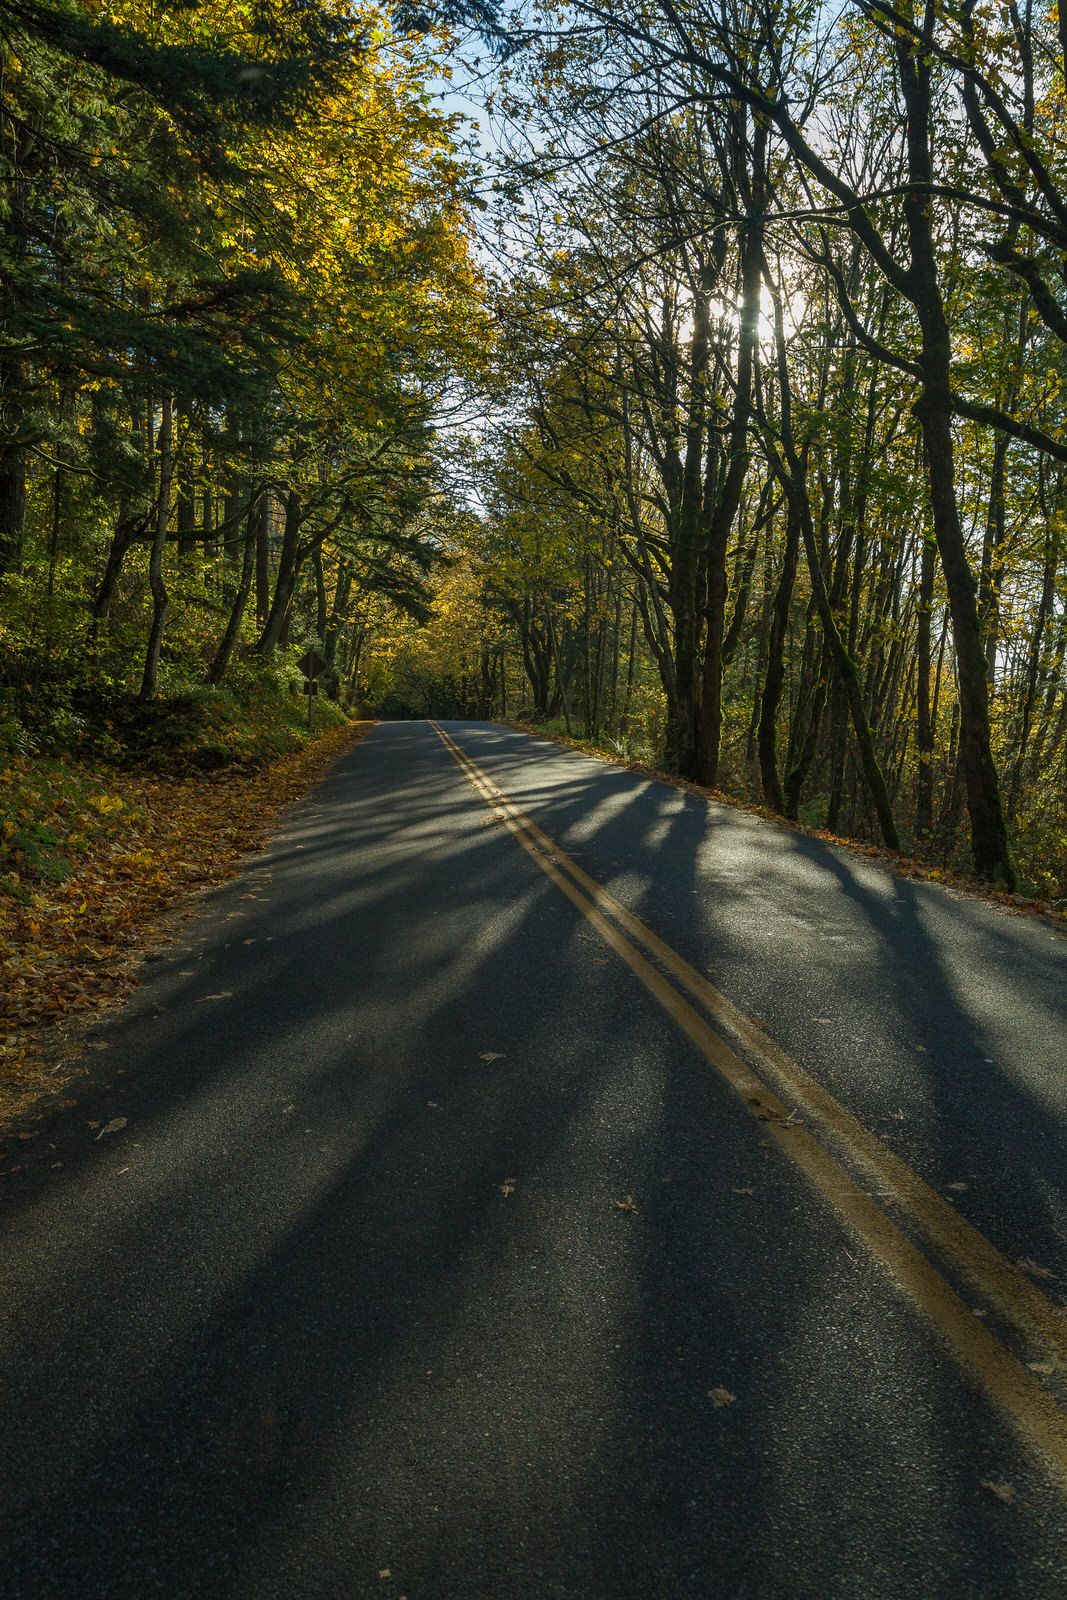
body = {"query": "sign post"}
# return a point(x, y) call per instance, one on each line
point(312, 666)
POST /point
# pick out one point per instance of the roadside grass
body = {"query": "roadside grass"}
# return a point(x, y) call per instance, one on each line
point(93, 854)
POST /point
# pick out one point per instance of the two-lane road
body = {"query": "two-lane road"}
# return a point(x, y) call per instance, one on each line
point(439, 1255)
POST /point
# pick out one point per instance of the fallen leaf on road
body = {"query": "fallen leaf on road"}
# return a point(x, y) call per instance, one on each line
point(721, 1397)
point(94, 1124)
point(1003, 1491)
point(111, 1127)
point(1033, 1269)
point(490, 1055)
point(744, 1191)
point(766, 1113)
point(626, 1205)
point(508, 1186)
point(385, 1573)
point(959, 1187)
point(225, 994)
point(288, 1110)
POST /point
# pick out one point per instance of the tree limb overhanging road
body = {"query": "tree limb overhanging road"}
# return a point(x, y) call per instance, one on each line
point(527, 1180)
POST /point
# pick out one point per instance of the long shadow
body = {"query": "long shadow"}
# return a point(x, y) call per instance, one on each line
point(182, 1445)
point(902, 1047)
point(970, 1116)
point(318, 1343)
point(855, 1447)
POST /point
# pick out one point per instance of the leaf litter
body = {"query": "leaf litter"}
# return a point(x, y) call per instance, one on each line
point(1032, 1269)
point(126, 848)
point(1001, 1491)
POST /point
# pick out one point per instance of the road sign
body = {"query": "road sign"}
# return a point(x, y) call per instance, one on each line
point(311, 664)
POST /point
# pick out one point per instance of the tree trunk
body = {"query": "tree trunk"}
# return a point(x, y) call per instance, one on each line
point(160, 602)
point(12, 507)
point(924, 787)
point(933, 410)
point(220, 665)
point(706, 766)
point(805, 751)
point(559, 672)
point(127, 531)
point(771, 699)
point(263, 560)
point(289, 563)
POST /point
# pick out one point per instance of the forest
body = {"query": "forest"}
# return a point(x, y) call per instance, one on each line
point(685, 380)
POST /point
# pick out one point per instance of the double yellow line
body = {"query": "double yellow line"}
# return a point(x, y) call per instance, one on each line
point(808, 1128)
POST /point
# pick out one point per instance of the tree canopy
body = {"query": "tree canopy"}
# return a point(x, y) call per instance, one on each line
point(715, 413)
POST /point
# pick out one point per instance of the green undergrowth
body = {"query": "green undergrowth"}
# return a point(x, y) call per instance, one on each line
point(59, 772)
point(51, 813)
point(199, 728)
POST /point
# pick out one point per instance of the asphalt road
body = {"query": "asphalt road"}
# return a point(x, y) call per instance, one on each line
point(345, 1309)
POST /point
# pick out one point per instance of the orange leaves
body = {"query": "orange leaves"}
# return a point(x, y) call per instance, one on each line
point(70, 948)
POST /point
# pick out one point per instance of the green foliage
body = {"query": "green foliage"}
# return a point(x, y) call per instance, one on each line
point(237, 282)
point(50, 814)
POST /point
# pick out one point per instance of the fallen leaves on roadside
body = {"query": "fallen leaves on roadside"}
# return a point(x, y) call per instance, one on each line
point(1003, 1491)
point(626, 1205)
point(1045, 1368)
point(721, 1397)
point(131, 846)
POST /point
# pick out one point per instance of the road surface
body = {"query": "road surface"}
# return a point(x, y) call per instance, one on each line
point(443, 1254)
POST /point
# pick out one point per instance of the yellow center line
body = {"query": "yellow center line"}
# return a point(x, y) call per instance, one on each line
point(1010, 1294)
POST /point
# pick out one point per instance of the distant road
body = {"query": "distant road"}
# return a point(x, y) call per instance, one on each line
point(528, 1182)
